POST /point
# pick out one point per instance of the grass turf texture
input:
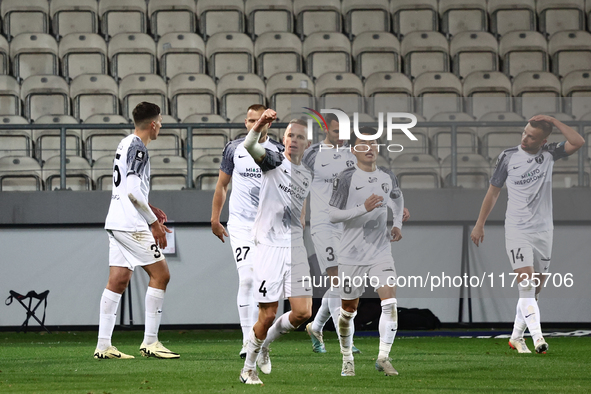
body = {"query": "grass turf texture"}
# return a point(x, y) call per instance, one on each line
point(62, 362)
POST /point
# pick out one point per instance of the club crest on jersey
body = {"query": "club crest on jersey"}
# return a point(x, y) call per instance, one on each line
point(540, 159)
point(139, 155)
point(385, 187)
point(305, 182)
point(373, 179)
point(350, 163)
point(336, 156)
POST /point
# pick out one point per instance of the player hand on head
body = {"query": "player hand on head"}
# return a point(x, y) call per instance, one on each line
point(219, 230)
point(268, 117)
point(373, 202)
point(477, 235)
point(159, 231)
point(396, 234)
point(539, 118)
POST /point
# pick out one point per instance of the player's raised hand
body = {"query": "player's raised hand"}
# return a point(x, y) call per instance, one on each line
point(268, 117)
point(159, 232)
point(477, 235)
point(396, 234)
point(219, 231)
point(373, 202)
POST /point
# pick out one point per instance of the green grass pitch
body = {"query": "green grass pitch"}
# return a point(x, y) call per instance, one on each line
point(62, 363)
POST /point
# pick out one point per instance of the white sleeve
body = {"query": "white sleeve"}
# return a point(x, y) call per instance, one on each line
point(397, 207)
point(336, 215)
point(138, 200)
point(251, 143)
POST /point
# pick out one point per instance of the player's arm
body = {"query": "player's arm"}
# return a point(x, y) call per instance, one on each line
point(488, 204)
point(574, 141)
point(251, 142)
point(140, 203)
point(219, 198)
point(336, 215)
point(303, 215)
point(162, 218)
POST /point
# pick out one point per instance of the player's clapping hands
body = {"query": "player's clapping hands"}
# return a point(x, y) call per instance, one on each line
point(373, 202)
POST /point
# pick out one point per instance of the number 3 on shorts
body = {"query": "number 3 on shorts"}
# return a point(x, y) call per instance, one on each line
point(157, 253)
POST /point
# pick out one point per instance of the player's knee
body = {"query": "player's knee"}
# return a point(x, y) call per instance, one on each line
point(301, 315)
point(267, 320)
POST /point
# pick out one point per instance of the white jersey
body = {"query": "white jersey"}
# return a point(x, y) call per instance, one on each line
point(131, 158)
point(326, 164)
point(246, 181)
point(366, 238)
point(529, 185)
point(284, 189)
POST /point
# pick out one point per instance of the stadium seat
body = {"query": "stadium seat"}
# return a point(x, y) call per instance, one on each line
point(20, 174)
point(122, 16)
point(413, 15)
point(10, 96)
point(242, 131)
point(314, 16)
point(424, 51)
point(220, 16)
point(570, 51)
point(523, 51)
point(169, 141)
point(104, 142)
point(19, 17)
point(376, 52)
point(47, 142)
point(473, 51)
point(388, 92)
point(559, 15)
point(181, 53)
point(15, 142)
point(83, 54)
point(576, 90)
point(191, 94)
point(45, 95)
point(437, 92)
point(417, 171)
point(496, 139)
point(229, 53)
point(420, 146)
point(278, 52)
point(473, 171)
point(283, 88)
point(78, 173)
point(363, 16)
point(206, 171)
point(168, 172)
point(264, 16)
point(207, 141)
point(467, 142)
point(102, 173)
point(566, 173)
point(33, 54)
point(536, 93)
point(486, 91)
point(132, 54)
point(74, 16)
point(327, 52)
point(206, 118)
point(340, 90)
point(94, 94)
point(511, 15)
point(238, 91)
point(463, 15)
point(171, 16)
point(136, 88)
point(4, 56)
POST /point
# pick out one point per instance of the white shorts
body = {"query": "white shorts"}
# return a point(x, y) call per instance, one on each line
point(132, 249)
point(279, 273)
point(326, 246)
point(355, 277)
point(529, 249)
point(243, 247)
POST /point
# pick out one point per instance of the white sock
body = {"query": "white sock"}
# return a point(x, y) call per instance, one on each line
point(388, 326)
point(253, 349)
point(247, 308)
point(519, 325)
point(154, 301)
point(323, 313)
point(334, 305)
point(530, 310)
point(346, 333)
point(281, 327)
point(108, 316)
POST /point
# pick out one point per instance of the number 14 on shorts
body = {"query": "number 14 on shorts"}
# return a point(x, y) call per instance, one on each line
point(516, 255)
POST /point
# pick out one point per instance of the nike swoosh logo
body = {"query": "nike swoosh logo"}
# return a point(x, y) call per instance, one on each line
point(389, 269)
point(241, 306)
point(285, 171)
point(324, 165)
point(308, 289)
point(240, 157)
point(359, 188)
point(516, 167)
point(117, 355)
point(528, 315)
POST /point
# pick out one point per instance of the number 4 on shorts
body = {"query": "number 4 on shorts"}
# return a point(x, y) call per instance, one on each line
point(517, 256)
point(263, 289)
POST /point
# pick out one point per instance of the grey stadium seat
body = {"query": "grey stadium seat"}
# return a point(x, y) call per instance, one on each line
point(78, 173)
point(536, 93)
point(207, 141)
point(168, 172)
point(437, 92)
point(15, 142)
point(388, 92)
point(314, 16)
point(494, 140)
point(570, 51)
point(327, 52)
point(362, 16)
point(523, 51)
point(264, 16)
point(473, 171)
point(181, 53)
point(19, 17)
point(132, 54)
point(229, 53)
point(206, 171)
point(83, 54)
point(486, 91)
point(47, 142)
point(136, 88)
point(20, 174)
point(238, 91)
point(463, 15)
point(103, 142)
point(278, 52)
point(45, 95)
point(511, 15)
point(467, 141)
point(10, 96)
point(417, 171)
point(192, 94)
point(123, 16)
point(576, 90)
point(4, 56)
point(376, 52)
point(424, 51)
point(216, 16)
point(473, 51)
point(34, 54)
point(340, 90)
point(94, 94)
point(413, 15)
point(283, 88)
point(74, 16)
point(560, 15)
point(172, 16)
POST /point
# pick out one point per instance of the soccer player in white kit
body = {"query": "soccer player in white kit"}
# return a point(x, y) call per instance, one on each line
point(136, 234)
point(239, 166)
point(527, 171)
point(360, 199)
point(282, 262)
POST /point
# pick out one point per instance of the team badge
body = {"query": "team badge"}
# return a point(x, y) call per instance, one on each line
point(385, 187)
point(305, 182)
point(373, 179)
point(540, 159)
point(350, 163)
point(139, 155)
